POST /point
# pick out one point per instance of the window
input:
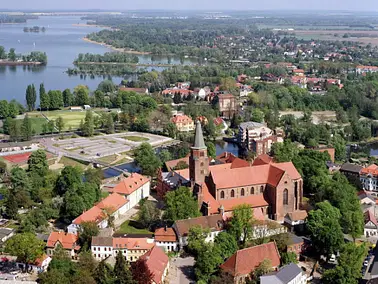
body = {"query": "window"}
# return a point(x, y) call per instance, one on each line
point(242, 192)
point(202, 154)
point(94, 249)
point(202, 172)
point(201, 164)
point(261, 189)
point(222, 194)
point(252, 190)
point(285, 196)
point(232, 193)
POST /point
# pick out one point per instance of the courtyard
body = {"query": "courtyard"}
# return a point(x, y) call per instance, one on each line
point(102, 145)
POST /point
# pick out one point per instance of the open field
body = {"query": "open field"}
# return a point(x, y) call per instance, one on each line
point(36, 123)
point(317, 116)
point(365, 37)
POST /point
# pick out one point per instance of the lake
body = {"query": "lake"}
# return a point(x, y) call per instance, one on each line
point(62, 42)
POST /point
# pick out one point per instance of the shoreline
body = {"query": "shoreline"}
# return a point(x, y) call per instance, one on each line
point(90, 26)
point(15, 63)
point(115, 48)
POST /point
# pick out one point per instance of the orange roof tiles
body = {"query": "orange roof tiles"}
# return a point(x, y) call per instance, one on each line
point(156, 261)
point(112, 202)
point(94, 214)
point(67, 240)
point(173, 163)
point(212, 222)
point(181, 119)
point(244, 261)
point(369, 216)
point(165, 235)
point(130, 184)
point(297, 215)
point(252, 200)
point(262, 160)
point(372, 169)
point(132, 243)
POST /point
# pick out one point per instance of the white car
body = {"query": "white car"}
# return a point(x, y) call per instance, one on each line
point(366, 262)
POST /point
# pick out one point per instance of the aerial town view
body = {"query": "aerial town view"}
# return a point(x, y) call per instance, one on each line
point(210, 142)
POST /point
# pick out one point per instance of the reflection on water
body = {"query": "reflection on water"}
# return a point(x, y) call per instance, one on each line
point(222, 146)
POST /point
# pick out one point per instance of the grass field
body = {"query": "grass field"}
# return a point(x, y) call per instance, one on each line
point(36, 123)
point(365, 37)
point(135, 138)
point(71, 162)
point(127, 228)
point(71, 119)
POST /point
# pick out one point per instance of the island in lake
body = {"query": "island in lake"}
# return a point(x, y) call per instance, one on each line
point(35, 29)
point(11, 58)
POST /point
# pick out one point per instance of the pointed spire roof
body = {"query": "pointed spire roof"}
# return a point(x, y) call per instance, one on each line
point(199, 142)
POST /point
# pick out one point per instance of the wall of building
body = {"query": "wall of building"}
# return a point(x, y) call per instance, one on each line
point(168, 246)
point(248, 190)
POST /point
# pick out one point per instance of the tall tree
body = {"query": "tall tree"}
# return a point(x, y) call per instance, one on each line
point(59, 124)
point(11, 207)
point(51, 126)
point(31, 97)
point(44, 99)
point(87, 231)
point(324, 228)
point(104, 274)
point(88, 126)
point(146, 159)
point(211, 150)
point(26, 128)
point(241, 223)
point(122, 270)
point(25, 246)
point(81, 94)
point(68, 98)
point(181, 204)
point(70, 178)
point(4, 109)
point(141, 272)
point(12, 54)
point(37, 163)
point(226, 243)
point(109, 124)
point(148, 214)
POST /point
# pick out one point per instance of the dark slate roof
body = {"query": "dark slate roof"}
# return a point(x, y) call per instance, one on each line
point(199, 142)
point(348, 167)
point(102, 241)
point(283, 276)
point(293, 239)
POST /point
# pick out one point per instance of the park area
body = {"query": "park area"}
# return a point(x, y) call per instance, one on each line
point(71, 119)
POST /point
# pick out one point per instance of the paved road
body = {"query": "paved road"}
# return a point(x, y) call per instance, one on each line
point(182, 270)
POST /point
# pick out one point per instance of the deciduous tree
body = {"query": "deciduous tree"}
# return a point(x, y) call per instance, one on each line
point(141, 272)
point(146, 159)
point(181, 204)
point(25, 246)
point(241, 223)
point(122, 270)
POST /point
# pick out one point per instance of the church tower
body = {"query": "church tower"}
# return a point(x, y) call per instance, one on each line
point(198, 160)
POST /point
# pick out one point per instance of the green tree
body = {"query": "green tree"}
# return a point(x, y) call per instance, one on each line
point(211, 150)
point(148, 214)
point(4, 109)
point(12, 54)
point(196, 239)
point(25, 246)
point(70, 178)
point(87, 231)
point(53, 276)
point(88, 127)
point(257, 115)
point(59, 124)
point(349, 265)
point(226, 243)
point(26, 128)
point(324, 228)
point(181, 204)
point(284, 152)
point(104, 274)
point(81, 94)
point(122, 270)
point(37, 163)
point(207, 262)
point(288, 257)
point(11, 207)
point(106, 86)
point(241, 223)
point(56, 99)
point(170, 130)
point(44, 99)
point(109, 125)
point(31, 97)
point(263, 268)
point(68, 98)
point(51, 126)
point(165, 155)
point(146, 159)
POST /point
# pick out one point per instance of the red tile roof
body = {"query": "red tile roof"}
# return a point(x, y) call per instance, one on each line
point(244, 261)
point(112, 202)
point(94, 214)
point(262, 160)
point(372, 169)
point(165, 235)
point(181, 119)
point(67, 240)
point(173, 163)
point(156, 261)
point(297, 215)
point(252, 200)
point(369, 216)
point(130, 184)
point(132, 243)
point(212, 222)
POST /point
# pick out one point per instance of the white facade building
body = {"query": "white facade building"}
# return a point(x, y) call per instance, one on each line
point(289, 274)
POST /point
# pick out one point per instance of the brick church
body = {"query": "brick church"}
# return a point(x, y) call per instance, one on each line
point(273, 190)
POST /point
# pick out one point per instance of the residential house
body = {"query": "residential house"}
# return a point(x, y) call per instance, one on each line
point(114, 205)
point(227, 105)
point(351, 171)
point(38, 266)
point(295, 220)
point(360, 69)
point(289, 274)
point(298, 72)
point(295, 244)
point(184, 93)
point(132, 248)
point(244, 262)
point(67, 241)
point(272, 78)
point(370, 224)
point(367, 202)
point(166, 239)
point(133, 188)
point(183, 123)
point(257, 137)
point(369, 178)
point(214, 223)
point(158, 263)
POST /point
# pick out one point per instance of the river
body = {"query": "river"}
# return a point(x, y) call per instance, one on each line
point(62, 42)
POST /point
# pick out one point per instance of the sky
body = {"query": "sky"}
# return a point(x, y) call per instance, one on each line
point(356, 5)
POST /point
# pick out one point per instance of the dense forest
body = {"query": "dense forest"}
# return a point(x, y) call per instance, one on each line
point(108, 57)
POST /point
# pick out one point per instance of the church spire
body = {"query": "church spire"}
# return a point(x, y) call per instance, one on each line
point(199, 143)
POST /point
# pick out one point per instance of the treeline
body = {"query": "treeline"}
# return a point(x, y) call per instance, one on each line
point(17, 19)
point(10, 109)
point(109, 57)
point(34, 56)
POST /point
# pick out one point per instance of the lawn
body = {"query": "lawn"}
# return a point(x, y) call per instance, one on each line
point(71, 119)
point(128, 228)
point(36, 123)
point(108, 159)
point(71, 162)
point(135, 138)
